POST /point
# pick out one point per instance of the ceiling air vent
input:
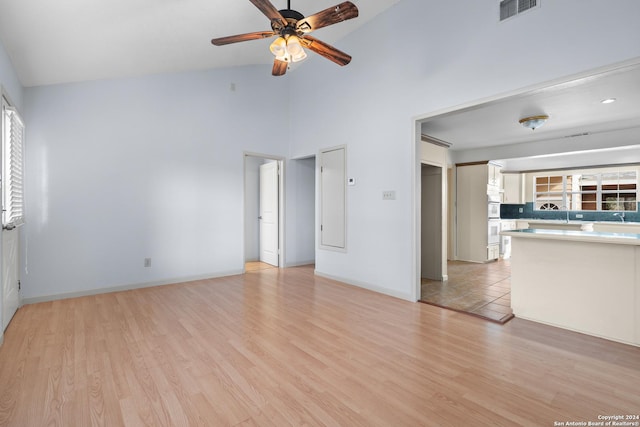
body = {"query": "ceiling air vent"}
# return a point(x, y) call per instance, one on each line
point(509, 8)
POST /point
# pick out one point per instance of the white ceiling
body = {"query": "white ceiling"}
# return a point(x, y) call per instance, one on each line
point(575, 112)
point(64, 41)
point(77, 40)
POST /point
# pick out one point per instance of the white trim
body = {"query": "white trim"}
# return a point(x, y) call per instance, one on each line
point(580, 331)
point(416, 209)
point(368, 286)
point(133, 286)
point(281, 202)
point(300, 263)
point(593, 73)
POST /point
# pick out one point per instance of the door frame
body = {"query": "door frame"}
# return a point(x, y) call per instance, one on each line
point(281, 204)
point(442, 274)
point(417, 162)
point(5, 99)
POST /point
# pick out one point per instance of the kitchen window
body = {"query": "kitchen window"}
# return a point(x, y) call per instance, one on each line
point(607, 191)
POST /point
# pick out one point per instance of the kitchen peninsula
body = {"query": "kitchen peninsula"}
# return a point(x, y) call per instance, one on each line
point(584, 281)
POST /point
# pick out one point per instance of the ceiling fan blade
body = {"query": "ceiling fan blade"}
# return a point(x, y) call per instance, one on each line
point(332, 15)
point(242, 37)
point(279, 67)
point(328, 51)
point(270, 11)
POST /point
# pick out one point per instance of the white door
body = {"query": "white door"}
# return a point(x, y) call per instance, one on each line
point(12, 148)
point(269, 213)
point(10, 292)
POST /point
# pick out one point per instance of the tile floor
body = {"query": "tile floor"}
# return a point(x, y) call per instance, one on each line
point(480, 289)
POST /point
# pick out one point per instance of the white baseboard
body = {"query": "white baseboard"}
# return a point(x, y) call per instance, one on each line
point(54, 297)
point(369, 286)
point(299, 263)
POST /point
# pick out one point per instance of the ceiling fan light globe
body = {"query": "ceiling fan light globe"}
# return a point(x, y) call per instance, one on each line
point(279, 47)
point(293, 46)
point(299, 57)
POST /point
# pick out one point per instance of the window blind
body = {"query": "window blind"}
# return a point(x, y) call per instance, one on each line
point(12, 169)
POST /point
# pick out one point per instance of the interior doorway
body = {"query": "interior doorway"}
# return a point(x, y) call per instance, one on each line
point(263, 212)
point(431, 223)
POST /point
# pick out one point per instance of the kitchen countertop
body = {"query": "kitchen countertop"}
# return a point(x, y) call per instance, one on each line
point(572, 221)
point(576, 236)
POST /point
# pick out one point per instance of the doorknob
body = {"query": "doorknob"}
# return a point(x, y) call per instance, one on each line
point(260, 217)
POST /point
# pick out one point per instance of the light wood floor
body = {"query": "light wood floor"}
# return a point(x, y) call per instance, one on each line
point(281, 347)
point(257, 265)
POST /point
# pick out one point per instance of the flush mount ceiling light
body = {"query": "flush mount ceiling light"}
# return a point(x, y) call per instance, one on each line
point(534, 122)
point(608, 101)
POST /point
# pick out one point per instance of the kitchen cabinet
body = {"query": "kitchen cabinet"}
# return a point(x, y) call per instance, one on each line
point(513, 185)
point(494, 177)
point(477, 236)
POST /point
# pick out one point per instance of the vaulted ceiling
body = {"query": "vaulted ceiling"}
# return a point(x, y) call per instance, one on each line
point(77, 40)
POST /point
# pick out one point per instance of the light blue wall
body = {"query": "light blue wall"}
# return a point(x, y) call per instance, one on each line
point(301, 187)
point(9, 79)
point(152, 167)
point(419, 57)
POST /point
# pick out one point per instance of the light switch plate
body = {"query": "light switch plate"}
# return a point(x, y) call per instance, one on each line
point(389, 195)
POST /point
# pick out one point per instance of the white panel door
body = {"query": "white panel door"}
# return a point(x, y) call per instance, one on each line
point(333, 180)
point(10, 262)
point(269, 213)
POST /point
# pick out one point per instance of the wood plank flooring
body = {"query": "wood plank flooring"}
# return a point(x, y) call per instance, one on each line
point(283, 347)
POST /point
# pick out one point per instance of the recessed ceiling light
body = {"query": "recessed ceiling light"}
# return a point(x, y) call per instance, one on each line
point(608, 100)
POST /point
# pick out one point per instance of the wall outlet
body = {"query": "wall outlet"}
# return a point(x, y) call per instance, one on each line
point(520, 210)
point(389, 195)
point(147, 262)
point(579, 216)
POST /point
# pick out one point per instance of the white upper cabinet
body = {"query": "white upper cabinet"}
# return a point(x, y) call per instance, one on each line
point(513, 188)
point(494, 175)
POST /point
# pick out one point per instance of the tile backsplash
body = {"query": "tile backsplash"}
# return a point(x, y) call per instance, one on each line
point(512, 212)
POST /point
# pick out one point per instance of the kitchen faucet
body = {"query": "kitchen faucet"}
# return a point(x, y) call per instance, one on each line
point(620, 215)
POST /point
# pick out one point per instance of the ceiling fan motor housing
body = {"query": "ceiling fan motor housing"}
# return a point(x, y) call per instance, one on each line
point(292, 17)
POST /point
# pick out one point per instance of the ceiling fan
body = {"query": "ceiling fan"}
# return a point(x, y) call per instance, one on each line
point(293, 29)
